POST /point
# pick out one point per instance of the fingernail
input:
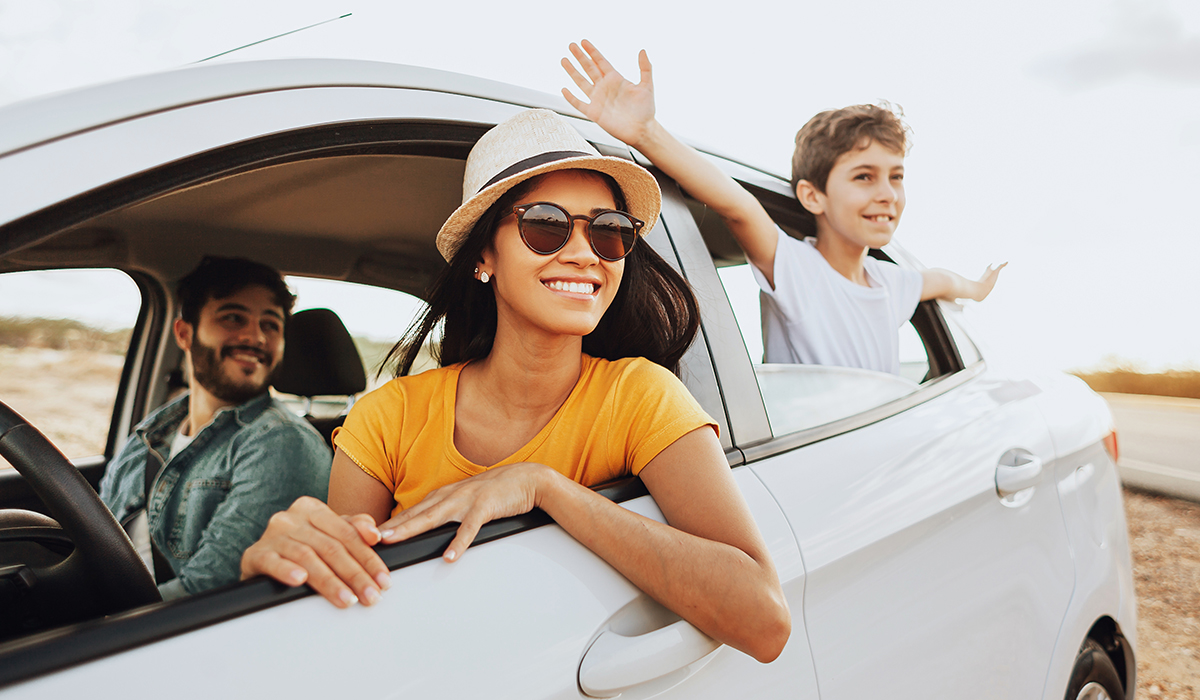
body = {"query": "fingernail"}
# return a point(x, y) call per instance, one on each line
point(347, 598)
point(296, 577)
point(386, 533)
point(370, 596)
point(450, 555)
point(384, 580)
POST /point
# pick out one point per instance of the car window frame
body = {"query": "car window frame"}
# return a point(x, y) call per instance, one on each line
point(126, 411)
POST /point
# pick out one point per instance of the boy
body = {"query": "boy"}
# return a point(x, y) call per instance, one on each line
point(824, 301)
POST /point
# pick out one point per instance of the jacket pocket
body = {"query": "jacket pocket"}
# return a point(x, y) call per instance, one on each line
point(201, 498)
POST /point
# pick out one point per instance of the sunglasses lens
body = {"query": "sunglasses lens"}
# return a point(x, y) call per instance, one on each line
point(613, 235)
point(545, 228)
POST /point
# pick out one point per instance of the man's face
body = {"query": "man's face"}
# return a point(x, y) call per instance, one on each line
point(236, 345)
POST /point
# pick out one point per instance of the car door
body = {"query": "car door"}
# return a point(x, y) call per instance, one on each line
point(937, 560)
point(528, 612)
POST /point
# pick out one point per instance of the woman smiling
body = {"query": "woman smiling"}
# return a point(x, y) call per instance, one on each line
point(561, 333)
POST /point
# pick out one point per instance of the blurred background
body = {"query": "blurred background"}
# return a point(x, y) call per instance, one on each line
point(1061, 137)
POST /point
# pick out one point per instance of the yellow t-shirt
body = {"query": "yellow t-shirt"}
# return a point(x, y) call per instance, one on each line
point(617, 419)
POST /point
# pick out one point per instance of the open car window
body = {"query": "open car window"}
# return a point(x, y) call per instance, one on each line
point(64, 338)
point(799, 397)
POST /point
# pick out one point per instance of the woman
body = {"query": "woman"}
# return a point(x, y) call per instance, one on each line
point(545, 280)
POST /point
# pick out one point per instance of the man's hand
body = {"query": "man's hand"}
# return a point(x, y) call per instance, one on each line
point(310, 543)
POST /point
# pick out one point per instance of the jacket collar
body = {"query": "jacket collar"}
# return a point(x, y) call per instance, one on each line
point(160, 425)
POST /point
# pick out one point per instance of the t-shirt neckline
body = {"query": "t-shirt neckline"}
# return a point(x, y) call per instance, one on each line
point(522, 454)
point(874, 286)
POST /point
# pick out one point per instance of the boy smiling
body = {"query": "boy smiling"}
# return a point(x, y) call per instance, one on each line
point(825, 301)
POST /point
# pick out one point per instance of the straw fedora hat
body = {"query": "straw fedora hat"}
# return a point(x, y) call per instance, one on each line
point(532, 143)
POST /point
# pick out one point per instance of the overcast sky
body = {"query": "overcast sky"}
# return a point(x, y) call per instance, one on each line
point(1062, 136)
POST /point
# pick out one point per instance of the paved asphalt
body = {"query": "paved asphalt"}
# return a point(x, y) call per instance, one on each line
point(1159, 441)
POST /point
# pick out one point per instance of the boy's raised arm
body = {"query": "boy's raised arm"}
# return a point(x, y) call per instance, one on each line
point(626, 111)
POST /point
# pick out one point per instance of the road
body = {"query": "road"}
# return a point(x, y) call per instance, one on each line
point(1159, 439)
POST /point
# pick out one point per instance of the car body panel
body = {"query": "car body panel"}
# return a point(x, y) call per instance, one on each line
point(523, 610)
point(908, 546)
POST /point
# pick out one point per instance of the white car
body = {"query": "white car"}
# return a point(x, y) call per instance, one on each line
point(955, 532)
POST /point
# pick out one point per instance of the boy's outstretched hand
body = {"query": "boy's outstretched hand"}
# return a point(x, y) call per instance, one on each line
point(944, 284)
point(984, 285)
point(618, 106)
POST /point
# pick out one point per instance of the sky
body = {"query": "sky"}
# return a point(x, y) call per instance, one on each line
point(1062, 137)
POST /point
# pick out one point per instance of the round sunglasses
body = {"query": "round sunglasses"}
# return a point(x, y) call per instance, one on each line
point(546, 227)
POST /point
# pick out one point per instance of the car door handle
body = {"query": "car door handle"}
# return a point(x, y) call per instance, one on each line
point(615, 662)
point(1018, 471)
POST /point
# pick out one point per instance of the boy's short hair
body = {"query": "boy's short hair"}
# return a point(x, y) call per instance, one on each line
point(830, 134)
point(218, 278)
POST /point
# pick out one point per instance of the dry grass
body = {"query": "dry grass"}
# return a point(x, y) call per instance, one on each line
point(1182, 383)
point(1164, 536)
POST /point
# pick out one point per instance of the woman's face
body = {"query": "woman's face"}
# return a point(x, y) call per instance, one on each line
point(564, 293)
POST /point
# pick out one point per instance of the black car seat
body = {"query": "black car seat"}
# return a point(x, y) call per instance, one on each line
point(319, 359)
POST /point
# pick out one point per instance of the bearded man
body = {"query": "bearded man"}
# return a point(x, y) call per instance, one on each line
point(197, 481)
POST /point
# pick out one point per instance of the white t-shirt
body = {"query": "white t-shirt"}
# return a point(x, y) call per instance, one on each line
point(816, 316)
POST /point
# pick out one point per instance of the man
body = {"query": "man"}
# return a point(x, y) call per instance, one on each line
point(225, 456)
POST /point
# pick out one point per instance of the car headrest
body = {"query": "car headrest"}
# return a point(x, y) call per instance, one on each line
point(319, 357)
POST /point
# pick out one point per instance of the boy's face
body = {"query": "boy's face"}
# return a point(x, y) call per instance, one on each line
point(863, 198)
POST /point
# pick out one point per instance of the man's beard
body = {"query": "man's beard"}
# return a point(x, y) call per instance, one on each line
point(206, 371)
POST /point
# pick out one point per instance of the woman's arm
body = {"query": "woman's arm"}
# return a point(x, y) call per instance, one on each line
point(710, 565)
point(626, 111)
point(310, 542)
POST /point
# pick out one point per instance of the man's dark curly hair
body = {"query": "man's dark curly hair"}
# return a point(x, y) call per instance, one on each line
point(218, 278)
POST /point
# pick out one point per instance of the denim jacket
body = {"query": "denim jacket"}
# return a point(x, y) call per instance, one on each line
point(213, 499)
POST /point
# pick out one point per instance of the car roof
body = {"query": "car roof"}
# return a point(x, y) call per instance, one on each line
point(45, 118)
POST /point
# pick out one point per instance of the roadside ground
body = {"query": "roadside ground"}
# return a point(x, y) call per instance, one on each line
point(1164, 535)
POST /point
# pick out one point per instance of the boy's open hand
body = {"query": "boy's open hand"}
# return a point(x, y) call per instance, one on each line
point(618, 106)
point(984, 285)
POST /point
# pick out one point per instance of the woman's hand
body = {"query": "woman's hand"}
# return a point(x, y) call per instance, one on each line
point(621, 108)
point(310, 543)
point(499, 492)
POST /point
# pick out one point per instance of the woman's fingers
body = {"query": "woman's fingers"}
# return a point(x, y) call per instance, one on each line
point(603, 67)
point(466, 535)
point(585, 61)
point(420, 518)
point(575, 101)
point(584, 85)
point(647, 76)
point(496, 493)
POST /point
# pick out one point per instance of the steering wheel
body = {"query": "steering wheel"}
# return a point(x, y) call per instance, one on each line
point(104, 569)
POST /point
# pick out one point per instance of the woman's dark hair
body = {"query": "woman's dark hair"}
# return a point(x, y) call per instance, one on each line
point(653, 315)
